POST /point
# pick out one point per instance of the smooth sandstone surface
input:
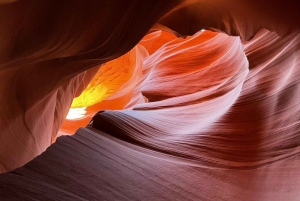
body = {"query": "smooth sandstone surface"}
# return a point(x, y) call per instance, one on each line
point(46, 50)
point(198, 100)
point(97, 166)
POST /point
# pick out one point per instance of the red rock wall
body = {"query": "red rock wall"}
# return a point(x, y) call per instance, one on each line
point(213, 100)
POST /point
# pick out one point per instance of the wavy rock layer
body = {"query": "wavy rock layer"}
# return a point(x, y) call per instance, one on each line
point(210, 112)
point(45, 45)
point(46, 49)
point(97, 166)
point(216, 116)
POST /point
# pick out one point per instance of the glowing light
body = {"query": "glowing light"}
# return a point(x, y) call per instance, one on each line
point(76, 113)
point(108, 80)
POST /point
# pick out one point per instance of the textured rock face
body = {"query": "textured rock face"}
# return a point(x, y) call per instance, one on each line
point(46, 51)
point(97, 166)
point(241, 116)
point(226, 100)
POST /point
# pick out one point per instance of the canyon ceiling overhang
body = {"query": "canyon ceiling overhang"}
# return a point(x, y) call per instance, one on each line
point(205, 87)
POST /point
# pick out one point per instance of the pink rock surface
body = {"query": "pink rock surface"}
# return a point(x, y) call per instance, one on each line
point(213, 116)
point(237, 117)
point(97, 166)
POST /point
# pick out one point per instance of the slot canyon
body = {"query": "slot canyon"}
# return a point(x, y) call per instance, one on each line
point(150, 100)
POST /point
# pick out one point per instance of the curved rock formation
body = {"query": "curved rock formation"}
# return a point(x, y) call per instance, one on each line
point(200, 91)
point(45, 46)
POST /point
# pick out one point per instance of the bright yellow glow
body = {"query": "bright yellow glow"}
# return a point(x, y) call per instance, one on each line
point(76, 113)
point(108, 80)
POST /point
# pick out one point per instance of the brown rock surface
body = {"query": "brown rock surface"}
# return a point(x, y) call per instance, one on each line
point(214, 116)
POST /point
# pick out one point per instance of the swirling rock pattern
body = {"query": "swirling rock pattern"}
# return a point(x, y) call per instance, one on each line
point(45, 46)
point(216, 117)
point(97, 166)
point(206, 116)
